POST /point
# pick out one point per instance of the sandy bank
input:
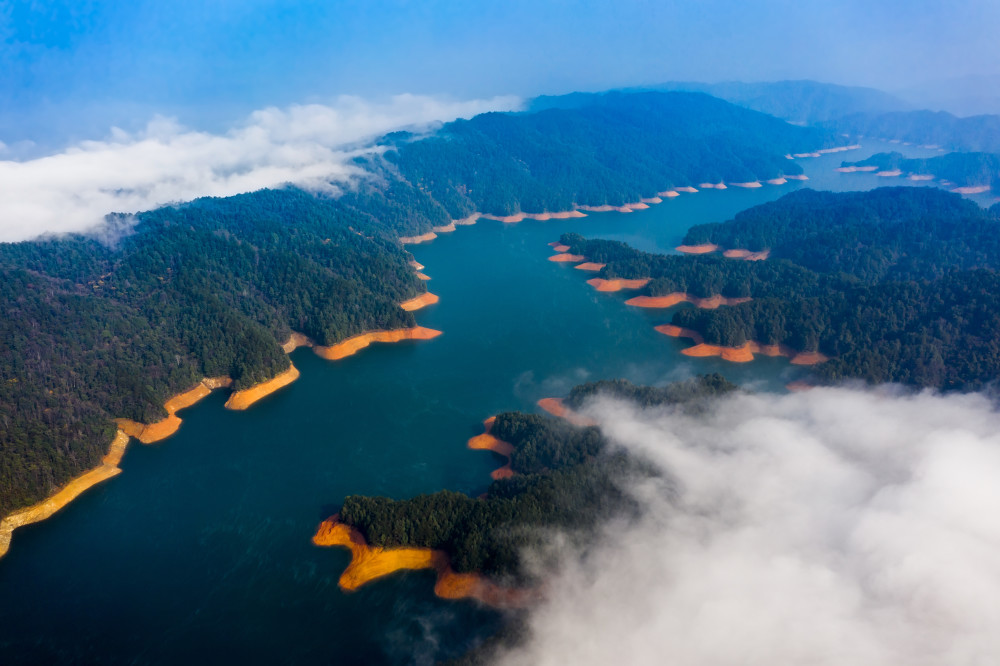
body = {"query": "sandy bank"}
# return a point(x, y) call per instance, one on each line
point(889, 174)
point(422, 276)
point(416, 265)
point(589, 266)
point(668, 194)
point(801, 155)
point(747, 255)
point(735, 253)
point(540, 217)
point(423, 300)
point(617, 284)
point(564, 258)
point(414, 240)
point(799, 177)
point(856, 169)
point(979, 189)
point(295, 341)
point(356, 343)
point(240, 400)
point(750, 186)
point(777, 181)
point(467, 221)
point(686, 188)
point(704, 248)
point(799, 386)
point(560, 248)
point(369, 563)
point(713, 186)
point(651, 200)
point(154, 432)
point(839, 149)
point(557, 407)
point(670, 300)
point(69, 492)
point(487, 442)
point(741, 354)
point(444, 229)
point(921, 176)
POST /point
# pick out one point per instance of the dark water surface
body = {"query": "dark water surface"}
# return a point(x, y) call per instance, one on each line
point(199, 552)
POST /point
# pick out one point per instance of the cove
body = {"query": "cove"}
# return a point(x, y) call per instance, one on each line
point(200, 550)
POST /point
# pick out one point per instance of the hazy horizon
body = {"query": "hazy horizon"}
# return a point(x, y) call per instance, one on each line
point(77, 69)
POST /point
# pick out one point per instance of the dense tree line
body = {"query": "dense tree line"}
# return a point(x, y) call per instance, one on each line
point(567, 479)
point(962, 169)
point(692, 391)
point(94, 331)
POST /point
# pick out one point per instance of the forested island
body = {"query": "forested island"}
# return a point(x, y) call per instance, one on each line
point(110, 325)
point(893, 285)
point(966, 171)
point(566, 478)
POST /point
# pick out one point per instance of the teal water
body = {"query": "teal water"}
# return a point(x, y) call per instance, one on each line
point(199, 552)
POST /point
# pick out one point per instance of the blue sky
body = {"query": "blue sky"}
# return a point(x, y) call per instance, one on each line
point(73, 68)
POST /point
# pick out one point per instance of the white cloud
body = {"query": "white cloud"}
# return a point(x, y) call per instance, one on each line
point(831, 527)
point(308, 145)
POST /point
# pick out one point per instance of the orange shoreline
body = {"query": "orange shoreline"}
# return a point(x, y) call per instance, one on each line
point(735, 253)
point(557, 407)
point(743, 354)
point(354, 344)
point(421, 301)
point(582, 210)
point(617, 284)
point(66, 494)
point(670, 300)
point(369, 563)
point(566, 258)
point(487, 442)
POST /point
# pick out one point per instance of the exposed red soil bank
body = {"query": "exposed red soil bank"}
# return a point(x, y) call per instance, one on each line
point(154, 432)
point(735, 253)
point(670, 300)
point(371, 562)
point(69, 492)
point(487, 442)
point(589, 266)
point(423, 300)
point(354, 344)
point(617, 284)
point(741, 354)
point(563, 257)
point(557, 407)
point(240, 400)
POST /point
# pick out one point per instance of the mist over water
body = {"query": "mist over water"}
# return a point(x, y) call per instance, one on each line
point(835, 526)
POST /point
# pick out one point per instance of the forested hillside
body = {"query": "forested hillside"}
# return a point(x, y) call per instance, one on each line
point(613, 150)
point(896, 284)
point(94, 332)
point(567, 478)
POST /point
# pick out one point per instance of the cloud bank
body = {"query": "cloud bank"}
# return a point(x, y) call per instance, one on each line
point(307, 145)
point(831, 527)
